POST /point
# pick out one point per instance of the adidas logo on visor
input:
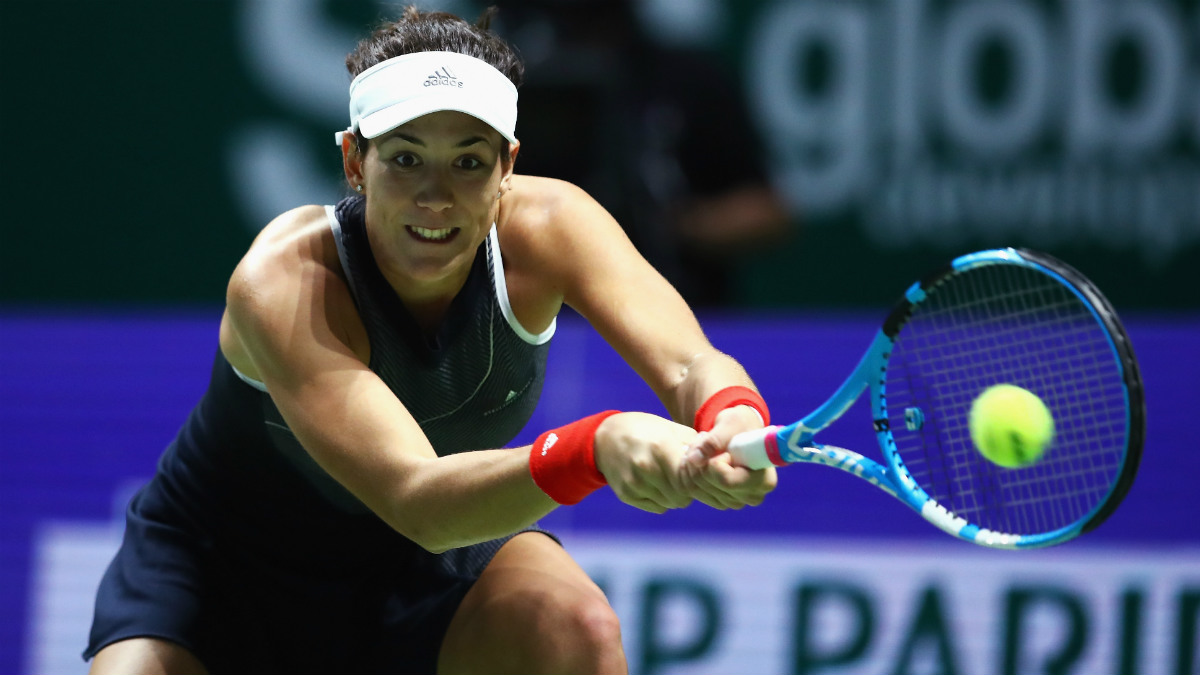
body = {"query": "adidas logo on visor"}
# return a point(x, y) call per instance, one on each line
point(443, 78)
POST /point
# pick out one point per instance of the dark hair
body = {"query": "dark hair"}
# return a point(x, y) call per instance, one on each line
point(424, 31)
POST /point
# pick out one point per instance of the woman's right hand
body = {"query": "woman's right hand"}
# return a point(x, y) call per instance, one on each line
point(642, 457)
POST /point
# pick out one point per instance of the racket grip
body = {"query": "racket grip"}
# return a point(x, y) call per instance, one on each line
point(756, 449)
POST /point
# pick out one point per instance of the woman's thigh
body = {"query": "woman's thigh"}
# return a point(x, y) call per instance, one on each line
point(145, 656)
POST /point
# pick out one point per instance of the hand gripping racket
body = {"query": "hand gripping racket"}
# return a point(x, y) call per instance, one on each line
point(998, 316)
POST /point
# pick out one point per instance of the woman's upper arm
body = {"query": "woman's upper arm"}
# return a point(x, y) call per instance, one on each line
point(292, 316)
point(627, 301)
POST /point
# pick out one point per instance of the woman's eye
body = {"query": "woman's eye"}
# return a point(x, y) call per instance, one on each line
point(469, 163)
point(406, 159)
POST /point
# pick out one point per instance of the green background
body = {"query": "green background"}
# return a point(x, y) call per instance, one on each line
point(118, 119)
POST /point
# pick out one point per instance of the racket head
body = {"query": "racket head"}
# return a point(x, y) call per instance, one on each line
point(1018, 317)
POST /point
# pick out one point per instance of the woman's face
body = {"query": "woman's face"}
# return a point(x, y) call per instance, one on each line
point(432, 189)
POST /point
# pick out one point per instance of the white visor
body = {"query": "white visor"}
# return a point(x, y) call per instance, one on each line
point(406, 87)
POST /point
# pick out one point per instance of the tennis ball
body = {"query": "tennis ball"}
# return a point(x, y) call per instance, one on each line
point(1010, 426)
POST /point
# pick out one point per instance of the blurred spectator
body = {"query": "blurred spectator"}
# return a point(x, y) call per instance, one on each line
point(659, 135)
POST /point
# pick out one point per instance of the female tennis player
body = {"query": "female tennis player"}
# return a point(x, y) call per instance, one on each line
point(341, 499)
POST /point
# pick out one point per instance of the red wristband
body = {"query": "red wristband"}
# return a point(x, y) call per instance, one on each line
point(706, 416)
point(563, 460)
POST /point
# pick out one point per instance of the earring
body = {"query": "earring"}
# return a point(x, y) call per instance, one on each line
point(358, 187)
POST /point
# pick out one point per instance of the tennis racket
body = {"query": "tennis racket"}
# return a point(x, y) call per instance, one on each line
point(997, 316)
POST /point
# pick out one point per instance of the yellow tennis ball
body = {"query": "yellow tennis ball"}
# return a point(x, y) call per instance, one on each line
point(1010, 426)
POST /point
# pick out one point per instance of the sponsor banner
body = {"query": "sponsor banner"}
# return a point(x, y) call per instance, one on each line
point(903, 128)
point(68, 560)
point(720, 605)
point(804, 606)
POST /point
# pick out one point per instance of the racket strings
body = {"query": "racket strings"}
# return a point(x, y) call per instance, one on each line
point(1007, 324)
point(1025, 493)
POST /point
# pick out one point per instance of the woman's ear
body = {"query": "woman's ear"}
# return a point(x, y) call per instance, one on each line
point(352, 160)
point(513, 149)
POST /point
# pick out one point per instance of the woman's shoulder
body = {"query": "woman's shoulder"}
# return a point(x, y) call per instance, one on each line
point(293, 247)
point(301, 222)
point(536, 207)
point(533, 235)
point(545, 195)
point(302, 232)
point(291, 276)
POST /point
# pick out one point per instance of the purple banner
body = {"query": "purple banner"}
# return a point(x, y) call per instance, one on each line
point(89, 400)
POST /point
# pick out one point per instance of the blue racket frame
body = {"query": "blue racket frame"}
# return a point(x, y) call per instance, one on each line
point(795, 442)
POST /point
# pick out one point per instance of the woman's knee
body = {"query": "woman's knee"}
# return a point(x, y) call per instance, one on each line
point(576, 621)
point(554, 628)
point(534, 610)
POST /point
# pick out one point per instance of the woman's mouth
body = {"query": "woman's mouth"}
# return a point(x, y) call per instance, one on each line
point(439, 235)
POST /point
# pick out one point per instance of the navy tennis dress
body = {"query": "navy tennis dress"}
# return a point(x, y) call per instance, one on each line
point(243, 550)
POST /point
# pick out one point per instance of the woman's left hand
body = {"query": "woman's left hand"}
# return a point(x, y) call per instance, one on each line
point(709, 472)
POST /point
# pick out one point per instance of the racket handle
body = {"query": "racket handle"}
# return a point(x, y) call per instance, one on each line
point(756, 449)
